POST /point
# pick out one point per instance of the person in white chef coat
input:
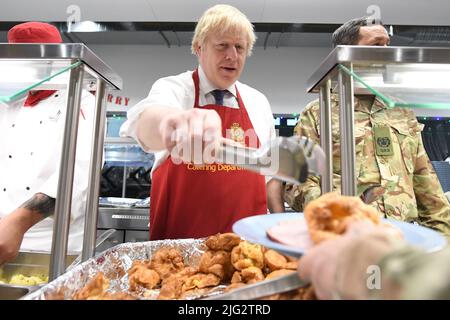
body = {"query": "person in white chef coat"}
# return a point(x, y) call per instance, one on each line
point(31, 132)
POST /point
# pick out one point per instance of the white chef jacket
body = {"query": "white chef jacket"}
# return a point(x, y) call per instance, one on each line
point(30, 154)
point(179, 92)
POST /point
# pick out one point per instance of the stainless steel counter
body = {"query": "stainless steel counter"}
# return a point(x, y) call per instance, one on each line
point(124, 218)
point(131, 224)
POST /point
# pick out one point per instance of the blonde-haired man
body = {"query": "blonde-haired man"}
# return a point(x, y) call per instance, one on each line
point(183, 120)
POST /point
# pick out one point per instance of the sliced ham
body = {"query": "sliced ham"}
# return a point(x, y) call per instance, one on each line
point(292, 233)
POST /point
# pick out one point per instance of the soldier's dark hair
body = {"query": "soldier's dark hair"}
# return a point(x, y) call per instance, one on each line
point(348, 33)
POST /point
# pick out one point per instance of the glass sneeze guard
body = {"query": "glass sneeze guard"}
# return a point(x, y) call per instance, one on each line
point(414, 77)
point(73, 67)
point(19, 77)
point(408, 85)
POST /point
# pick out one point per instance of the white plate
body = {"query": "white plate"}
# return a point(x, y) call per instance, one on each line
point(254, 229)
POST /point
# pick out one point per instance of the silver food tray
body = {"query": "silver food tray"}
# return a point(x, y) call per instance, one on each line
point(114, 264)
point(27, 263)
point(115, 202)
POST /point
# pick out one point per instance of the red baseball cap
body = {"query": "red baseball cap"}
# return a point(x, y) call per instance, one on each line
point(34, 32)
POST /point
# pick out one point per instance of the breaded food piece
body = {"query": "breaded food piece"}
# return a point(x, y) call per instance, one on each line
point(223, 241)
point(235, 285)
point(217, 263)
point(200, 281)
point(247, 255)
point(236, 278)
point(93, 290)
point(56, 295)
point(274, 260)
point(306, 293)
point(291, 259)
point(247, 276)
point(329, 215)
point(117, 296)
point(172, 286)
point(167, 261)
point(292, 265)
point(195, 293)
point(141, 276)
point(278, 273)
point(251, 275)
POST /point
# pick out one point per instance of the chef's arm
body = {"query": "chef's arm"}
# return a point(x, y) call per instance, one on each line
point(275, 196)
point(14, 225)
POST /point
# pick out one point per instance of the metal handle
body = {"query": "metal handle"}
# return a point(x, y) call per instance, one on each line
point(287, 159)
point(264, 288)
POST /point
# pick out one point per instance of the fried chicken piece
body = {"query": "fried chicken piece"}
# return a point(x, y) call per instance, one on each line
point(200, 281)
point(247, 255)
point(306, 293)
point(172, 286)
point(167, 261)
point(251, 275)
point(274, 260)
point(117, 296)
point(291, 259)
point(140, 275)
point(94, 289)
point(278, 273)
point(223, 241)
point(236, 278)
point(195, 293)
point(217, 263)
point(291, 265)
point(57, 295)
point(235, 285)
point(329, 215)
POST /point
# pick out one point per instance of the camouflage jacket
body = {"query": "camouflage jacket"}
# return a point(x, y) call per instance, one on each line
point(403, 186)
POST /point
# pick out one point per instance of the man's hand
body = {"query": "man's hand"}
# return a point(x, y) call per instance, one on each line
point(192, 136)
point(319, 264)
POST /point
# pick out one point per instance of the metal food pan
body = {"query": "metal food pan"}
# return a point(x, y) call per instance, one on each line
point(114, 263)
point(28, 264)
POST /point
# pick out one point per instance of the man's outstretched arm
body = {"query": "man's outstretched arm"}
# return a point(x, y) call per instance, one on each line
point(14, 225)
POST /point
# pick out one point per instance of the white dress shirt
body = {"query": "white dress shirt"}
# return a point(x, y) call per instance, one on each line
point(30, 154)
point(179, 92)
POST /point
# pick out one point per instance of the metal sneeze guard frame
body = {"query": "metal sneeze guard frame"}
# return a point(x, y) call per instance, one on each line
point(337, 68)
point(104, 78)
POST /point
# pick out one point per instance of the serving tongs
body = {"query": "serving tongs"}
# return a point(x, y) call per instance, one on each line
point(289, 159)
point(263, 288)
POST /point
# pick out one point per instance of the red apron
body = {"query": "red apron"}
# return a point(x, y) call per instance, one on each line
point(190, 201)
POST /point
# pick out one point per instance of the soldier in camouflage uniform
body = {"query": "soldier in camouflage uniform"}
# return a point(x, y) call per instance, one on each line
point(400, 184)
